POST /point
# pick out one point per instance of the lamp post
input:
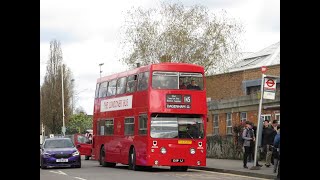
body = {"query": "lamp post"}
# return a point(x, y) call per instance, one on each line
point(100, 68)
point(72, 81)
point(63, 125)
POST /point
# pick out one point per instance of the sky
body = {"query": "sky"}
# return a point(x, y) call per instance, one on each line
point(89, 34)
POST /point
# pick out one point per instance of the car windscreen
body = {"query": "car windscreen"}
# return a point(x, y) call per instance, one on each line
point(58, 143)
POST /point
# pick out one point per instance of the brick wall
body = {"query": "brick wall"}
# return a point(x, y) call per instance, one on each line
point(251, 116)
point(224, 86)
point(229, 85)
point(256, 73)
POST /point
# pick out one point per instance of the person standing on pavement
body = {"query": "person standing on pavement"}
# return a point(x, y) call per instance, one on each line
point(275, 124)
point(276, 147)
point(276, 144)
point(268, 134)
point(248, 136)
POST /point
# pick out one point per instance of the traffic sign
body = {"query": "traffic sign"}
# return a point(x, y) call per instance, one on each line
point(269, 95)
point(264, 69)
point(269, 90)
point(270, 83)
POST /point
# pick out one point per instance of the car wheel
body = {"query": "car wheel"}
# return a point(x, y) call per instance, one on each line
point(79, 166)
point(42, 165)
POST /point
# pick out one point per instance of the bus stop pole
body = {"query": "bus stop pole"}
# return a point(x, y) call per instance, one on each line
point(259, 121)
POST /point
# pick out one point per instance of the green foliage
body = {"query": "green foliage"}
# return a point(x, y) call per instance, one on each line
point(223, 147)
point(79, 123)
point(51, 114)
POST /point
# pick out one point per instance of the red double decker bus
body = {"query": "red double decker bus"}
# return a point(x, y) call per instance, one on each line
point(153, 115)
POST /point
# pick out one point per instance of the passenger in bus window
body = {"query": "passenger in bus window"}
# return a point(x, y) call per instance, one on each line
point(158, 83)
point(143, 84)
point(182, 85)
point(155, 82)
point(193, 85)
point(172, 84)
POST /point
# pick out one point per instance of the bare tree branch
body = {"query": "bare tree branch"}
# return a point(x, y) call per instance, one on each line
point(185, 34)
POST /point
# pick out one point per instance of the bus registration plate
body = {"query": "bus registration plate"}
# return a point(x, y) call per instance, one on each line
point(177, 160)
point(184, 142)
point(61, 160)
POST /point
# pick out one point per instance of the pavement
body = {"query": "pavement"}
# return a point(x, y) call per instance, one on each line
point(236, 167)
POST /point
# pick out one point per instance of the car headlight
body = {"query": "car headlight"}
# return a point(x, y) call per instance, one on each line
point(76, 153)
point(163, 150)
point(46, 154)
point(192, 151)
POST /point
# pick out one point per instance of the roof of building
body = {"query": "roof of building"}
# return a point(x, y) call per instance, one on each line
point(266, 57)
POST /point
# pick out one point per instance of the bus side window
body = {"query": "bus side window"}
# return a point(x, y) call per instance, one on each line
point(131, 85)
point(103, 89)
point(97, 91)
point(101, 127)
point(143, 81)
point(121, 85)
point(112, 87)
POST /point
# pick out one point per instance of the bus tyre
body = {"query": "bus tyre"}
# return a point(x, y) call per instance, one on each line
point(102, 159)
point(86, 157)
point(132, 160)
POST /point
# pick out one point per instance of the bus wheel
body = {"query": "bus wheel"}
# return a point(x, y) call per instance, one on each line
point(132, 160)
point(86, 157)
point(102, 159)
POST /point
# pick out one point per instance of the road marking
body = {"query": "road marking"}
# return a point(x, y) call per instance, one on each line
point(58, 172)
point(229, 174)
point(80, 178)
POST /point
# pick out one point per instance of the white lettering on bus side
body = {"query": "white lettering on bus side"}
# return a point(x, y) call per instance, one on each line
point(116, 103)
point(125, 102)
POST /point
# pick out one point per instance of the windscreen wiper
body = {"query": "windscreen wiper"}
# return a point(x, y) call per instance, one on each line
point(190, 135)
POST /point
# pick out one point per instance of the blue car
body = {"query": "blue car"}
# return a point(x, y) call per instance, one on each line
point(59, 152)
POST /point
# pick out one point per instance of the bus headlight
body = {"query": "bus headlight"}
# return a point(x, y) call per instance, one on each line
point(192, 151)
point(163, 150)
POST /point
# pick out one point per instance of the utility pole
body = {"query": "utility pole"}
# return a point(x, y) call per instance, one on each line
point(100, 68)
point(63, 125)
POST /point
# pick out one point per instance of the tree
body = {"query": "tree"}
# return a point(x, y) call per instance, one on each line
point(51, 91)
point(80, 110)
point(174, 33)
point(79, 123)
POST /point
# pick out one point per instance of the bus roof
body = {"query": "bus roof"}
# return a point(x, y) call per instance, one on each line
point(182, 67)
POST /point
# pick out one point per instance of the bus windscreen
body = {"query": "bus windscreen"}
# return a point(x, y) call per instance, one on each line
point(177, 80)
